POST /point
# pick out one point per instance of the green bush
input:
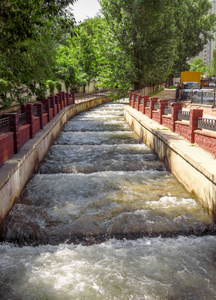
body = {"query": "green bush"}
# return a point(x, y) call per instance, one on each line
point(58, 86)
point(41, 91)
point(51, 85)
point(5, 93)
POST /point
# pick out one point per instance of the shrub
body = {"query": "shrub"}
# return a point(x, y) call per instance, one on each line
point(51, 85)
point(5, 93)
point(58, 86)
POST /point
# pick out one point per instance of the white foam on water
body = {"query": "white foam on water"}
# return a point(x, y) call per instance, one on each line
point(146, 268)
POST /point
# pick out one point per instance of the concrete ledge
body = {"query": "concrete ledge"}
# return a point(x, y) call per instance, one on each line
point(16, 172)
point(191, 165)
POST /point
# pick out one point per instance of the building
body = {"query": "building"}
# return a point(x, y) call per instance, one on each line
point(207, 53)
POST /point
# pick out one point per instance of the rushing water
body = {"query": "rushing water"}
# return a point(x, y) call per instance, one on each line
point(103, 219)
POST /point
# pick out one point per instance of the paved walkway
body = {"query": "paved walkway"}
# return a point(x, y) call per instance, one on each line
point(168, 94)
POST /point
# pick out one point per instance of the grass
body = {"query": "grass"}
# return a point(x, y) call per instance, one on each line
point(156, 92)
point(172, 87)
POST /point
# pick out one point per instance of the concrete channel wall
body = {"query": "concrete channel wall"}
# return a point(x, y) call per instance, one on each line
point(17, 171)
point(194, 168)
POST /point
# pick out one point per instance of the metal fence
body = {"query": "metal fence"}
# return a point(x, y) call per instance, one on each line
point(22, 119)
point(148, 103)
point(205, 123)
point(202, 97)
point(167, 110)
point(183, 115)
point(35, 110)
point(156, 105)
point(4, 124)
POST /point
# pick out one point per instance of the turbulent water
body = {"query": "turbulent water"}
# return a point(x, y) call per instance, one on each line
point(103, 219)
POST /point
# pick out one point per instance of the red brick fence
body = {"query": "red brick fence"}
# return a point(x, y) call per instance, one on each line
point(189, 124)
point(18, 127)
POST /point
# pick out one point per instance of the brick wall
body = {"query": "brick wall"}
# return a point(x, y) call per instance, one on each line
point(156, 116)
point(148, 112)
point(6, 146)
point(51, 113)
point(24, 134)
point(36, 125)
point(183, 128)
point(167, 121)
point(12, 141)
point(206, 140)
point(45, 119)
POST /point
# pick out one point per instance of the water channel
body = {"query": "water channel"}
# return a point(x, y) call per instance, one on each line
point(104, 219)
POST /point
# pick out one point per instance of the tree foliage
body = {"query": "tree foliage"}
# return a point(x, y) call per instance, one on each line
point(194, 27)
point(211, 71)
point(157, 37)
point(135, 43)
point(197, 65)
point(77, 59)
point(144, 33)
point(30, 32)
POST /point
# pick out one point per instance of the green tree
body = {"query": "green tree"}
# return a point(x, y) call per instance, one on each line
point(153, 39)
point(20, 20)
point(194, 27)
point(211, 71)
point(143, 32)
point(197, 65)
point(30, 32)
point(77, 58)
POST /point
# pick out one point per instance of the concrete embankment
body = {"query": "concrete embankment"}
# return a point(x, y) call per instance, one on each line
point(16, 172)
point(192, 166)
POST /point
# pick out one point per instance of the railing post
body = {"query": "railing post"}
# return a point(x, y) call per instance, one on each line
point(153, 100)
point(136, 101)
point(214, 99)
point(14, 127)
point(23, 108)
point(57, 102)
point(73, 96)
point(47, 107)
point(194, 115)
point(60, 100)
point(175, 107)
point(130, 97)
point(63, 98)
point(145, 99)
point(52, 104)
point(133, 99)
point(29, 118)
point(40, 113)
point(140, 102)
point(67, 98)
point(162, 103)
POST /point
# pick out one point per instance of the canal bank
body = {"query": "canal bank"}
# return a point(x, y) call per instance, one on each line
point(16, 171)
point(192, 166)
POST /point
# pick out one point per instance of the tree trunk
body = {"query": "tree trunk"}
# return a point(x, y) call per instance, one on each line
point(137, 86)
